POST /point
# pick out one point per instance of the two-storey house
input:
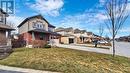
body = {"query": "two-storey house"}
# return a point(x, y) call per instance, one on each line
point(5, 30)
point(36, 31)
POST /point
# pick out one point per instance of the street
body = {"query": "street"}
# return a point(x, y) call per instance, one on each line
point(122, 49)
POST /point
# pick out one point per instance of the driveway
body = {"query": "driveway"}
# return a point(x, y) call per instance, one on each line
point(122, 49)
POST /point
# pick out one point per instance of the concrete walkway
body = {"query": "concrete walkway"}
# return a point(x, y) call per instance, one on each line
point(7, 69)
point(122, 49)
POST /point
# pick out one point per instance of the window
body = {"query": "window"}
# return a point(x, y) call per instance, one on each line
point(38, 25)
point(1, 18)
point(34, 25)
point(42, 37)
point(50, 29)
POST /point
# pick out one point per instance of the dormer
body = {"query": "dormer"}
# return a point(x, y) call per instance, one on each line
point(3, 16)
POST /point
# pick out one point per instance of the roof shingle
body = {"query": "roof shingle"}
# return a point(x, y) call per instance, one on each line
point(37, 16)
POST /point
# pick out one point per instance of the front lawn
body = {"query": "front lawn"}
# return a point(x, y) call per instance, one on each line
point(67, 61)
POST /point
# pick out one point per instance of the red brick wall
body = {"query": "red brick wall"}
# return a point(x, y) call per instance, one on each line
point(27, 37)
point(37, 42)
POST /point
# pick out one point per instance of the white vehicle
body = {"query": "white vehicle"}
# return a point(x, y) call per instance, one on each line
point(102, 42)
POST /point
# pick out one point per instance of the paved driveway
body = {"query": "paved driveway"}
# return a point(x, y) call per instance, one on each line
point(122, 49)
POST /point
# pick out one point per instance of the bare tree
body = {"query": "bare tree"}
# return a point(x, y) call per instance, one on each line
point(101, 30)
point(117, 13)
point(11, 24)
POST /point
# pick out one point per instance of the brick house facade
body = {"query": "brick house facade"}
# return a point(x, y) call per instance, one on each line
point(37, 31)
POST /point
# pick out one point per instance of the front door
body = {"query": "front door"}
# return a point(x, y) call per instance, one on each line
point(71, 40)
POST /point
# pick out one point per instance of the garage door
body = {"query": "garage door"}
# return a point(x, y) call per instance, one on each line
point(54, 41)
point(71, 40)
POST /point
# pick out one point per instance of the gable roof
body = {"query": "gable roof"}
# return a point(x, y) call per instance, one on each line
point(70, 29)
point(36, 16)
point(77, 31)
point(59, 29)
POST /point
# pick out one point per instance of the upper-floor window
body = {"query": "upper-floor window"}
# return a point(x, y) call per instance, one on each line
point(51, 29)
point(38, 25)
point(1, 18)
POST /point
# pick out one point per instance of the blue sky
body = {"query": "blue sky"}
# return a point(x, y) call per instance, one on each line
point(83, 14)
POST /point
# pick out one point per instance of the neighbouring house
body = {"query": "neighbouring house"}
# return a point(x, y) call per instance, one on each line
point(124, 38)
point(83, 36)
point(5, 30)
point(74, 36)
point(67, 36)
point(36, 31)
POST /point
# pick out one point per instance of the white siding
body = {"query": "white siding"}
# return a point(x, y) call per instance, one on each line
point(45, 25)
point(23, 28)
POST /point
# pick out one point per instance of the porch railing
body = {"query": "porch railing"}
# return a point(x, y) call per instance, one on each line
point(5, 48)
point(5, 51)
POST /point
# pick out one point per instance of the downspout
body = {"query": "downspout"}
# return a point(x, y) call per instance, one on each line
point(5, 19)
point(28, 35)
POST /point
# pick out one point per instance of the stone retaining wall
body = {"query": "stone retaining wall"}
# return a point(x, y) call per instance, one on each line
point(5, 51)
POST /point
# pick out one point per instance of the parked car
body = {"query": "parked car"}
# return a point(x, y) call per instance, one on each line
point(102, 42)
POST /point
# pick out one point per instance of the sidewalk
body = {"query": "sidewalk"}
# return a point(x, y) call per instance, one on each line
point(7, 69)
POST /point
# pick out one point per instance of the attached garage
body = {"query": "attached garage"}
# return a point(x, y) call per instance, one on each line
point(54, 41)
point(71, 40)
point(68, 39)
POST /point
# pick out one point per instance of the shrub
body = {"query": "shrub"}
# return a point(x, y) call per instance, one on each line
point(47, 46)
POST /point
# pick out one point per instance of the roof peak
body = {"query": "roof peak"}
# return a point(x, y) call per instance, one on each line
point(39, 15)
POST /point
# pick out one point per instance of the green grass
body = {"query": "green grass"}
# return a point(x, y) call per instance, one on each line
point(67, 61)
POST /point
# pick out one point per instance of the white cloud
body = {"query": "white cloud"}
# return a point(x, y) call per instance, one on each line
point(84, 21)
point(102, 2)
point(15, 20)
point(128, 7)
point(125, 30)
point(101, 16)
point(50, 7)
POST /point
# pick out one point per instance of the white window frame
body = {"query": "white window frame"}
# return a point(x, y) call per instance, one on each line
point(38, 25)
point(1, 18)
